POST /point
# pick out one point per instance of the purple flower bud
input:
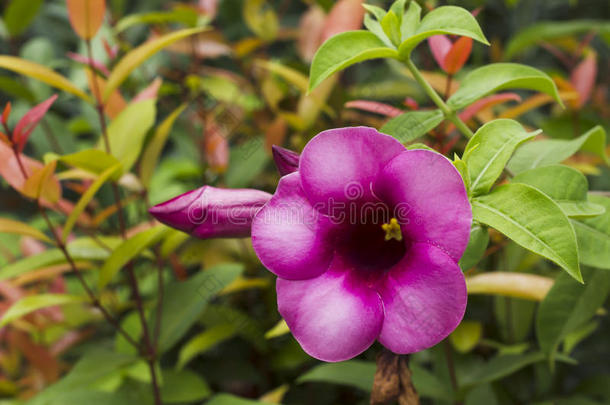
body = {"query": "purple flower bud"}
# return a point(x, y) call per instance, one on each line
point(210, 212)
point(287, 161)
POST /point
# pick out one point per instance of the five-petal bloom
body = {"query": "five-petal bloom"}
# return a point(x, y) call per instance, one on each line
point(365, 238)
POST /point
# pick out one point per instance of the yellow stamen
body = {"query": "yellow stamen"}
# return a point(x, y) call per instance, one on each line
point(392, 230)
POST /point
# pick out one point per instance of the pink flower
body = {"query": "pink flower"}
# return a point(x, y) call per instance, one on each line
point(365, 238)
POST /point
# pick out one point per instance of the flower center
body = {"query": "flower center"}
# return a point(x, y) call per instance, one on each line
point(392, 230)
point(372, 245)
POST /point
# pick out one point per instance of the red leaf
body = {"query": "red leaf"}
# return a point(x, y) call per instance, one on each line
point(28, 122)
point(374, 107)
point(310, 32)
point(487, 102)
point(583, 78)
point(150, 92)
point(440, 46)
point(346, 15)
point(411, 103)
point(458, 55)
point(111, 51)
point(216, 146)
point(86, 61)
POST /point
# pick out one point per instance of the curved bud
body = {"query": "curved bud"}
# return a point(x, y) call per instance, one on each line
point(286, 161)
point(210, 212)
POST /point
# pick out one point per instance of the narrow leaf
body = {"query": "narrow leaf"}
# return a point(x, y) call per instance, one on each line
point(20, 228)
point(139, 55)
point(91, 160)
point(86, 198)
point(86, 16)
point(42, 73)
point(29, 121)
point(551, 151)
point(354, 373)
point(151, 154)
point(128, 250)
point(500, 76)
point(32, 303)
point(204, 341)
point(533, 221)
point(569, 305)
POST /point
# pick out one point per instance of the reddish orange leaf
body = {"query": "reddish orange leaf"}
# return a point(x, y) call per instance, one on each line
point(5, 113)
point(86, 16)
point(150, 92)
point(310, 32)
point(115, 103)
point(346, 15)
point(374, 107)
point(457, 55)
point(216, 147)
point(440, 46)
point(583, 78)
point(29, 121)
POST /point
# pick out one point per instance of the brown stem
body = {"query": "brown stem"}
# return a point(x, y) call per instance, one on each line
point(448, 86)
point(392, 381)
point(94, 300)
point(20, 163)
point(151, 351)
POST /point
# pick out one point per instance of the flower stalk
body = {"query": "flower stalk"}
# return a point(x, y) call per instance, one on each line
point(448, 112)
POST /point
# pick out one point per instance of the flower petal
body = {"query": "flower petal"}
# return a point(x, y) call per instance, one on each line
point(289, 236)
point(429, 199)
point(210, 212)
point(286, 160)
point(424, 297)
point(337, 166)
point(333, 317)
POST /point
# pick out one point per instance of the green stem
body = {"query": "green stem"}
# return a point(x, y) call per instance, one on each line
point(448, 112)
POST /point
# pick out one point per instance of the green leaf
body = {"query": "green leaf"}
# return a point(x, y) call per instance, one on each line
point(42, 73)
point(184, 301)
point(182, 15)
point(228, 399)
point(543, 31)
point(429, 385)
point(151, 154)
point(488, 151)
point(413, 124)
point(32, 303)
point(532, 220)
point(183, 386)
point(279, 329)
point(443, 20)
point(355, 373)
point(127, 131)
point(136, 57)
point(20, 228)
point(93, 161)
point(593, 236)
point(568, 306)
point(343, 50)
point(86, 199)
point(391, 27)
point(466, 336)
point(261, 19)
point(246, 161)
point(410, 20)
point(128, 250)
point(551, 151)
point(204, 341)
point(19, 14)
point(566, 186)
point(479, 239)
point(80, 249)
point(500, 367)
point(494, 77)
